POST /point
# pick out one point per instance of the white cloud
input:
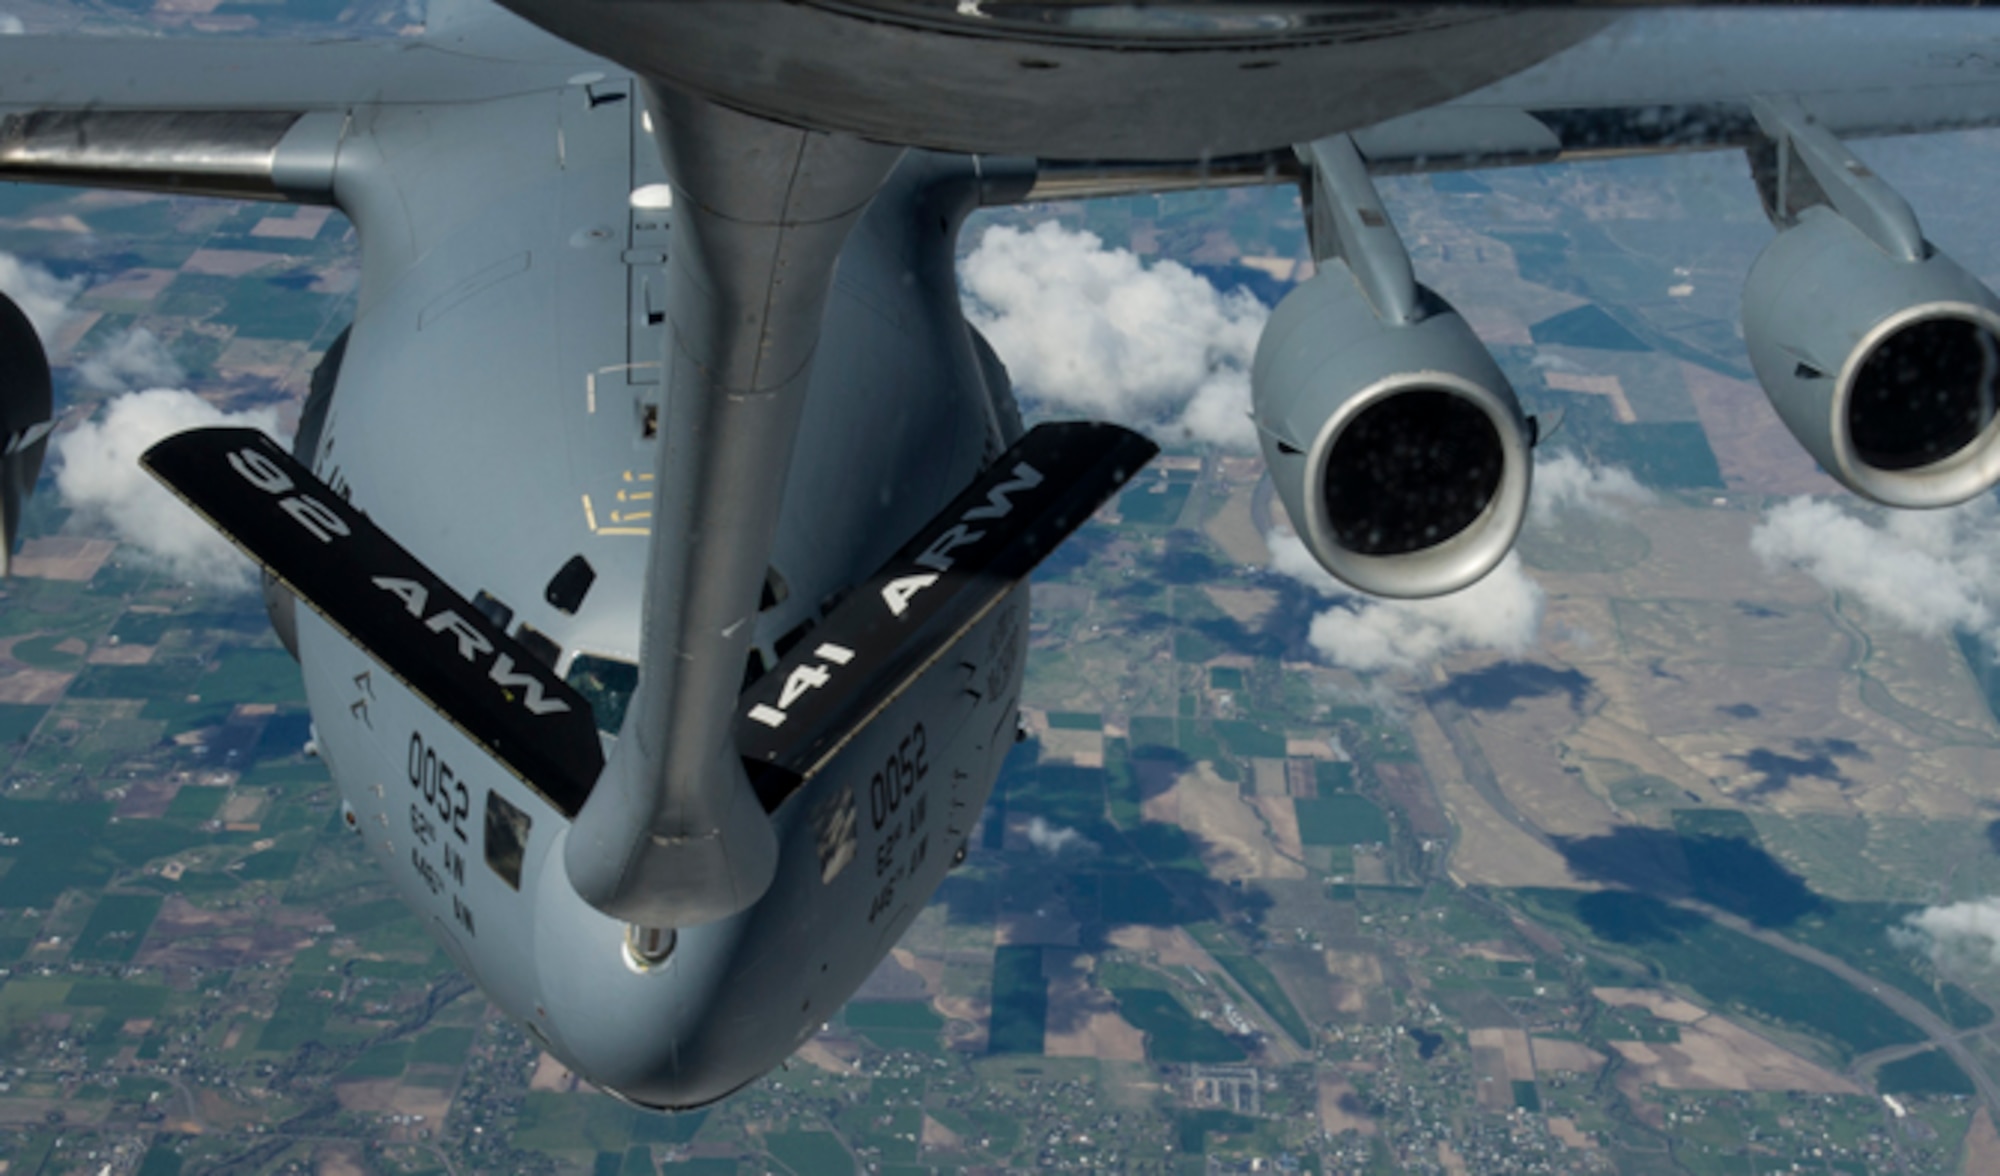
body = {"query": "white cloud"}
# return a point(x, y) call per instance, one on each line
point(1090, 329)
point(11, 26)
point(1289, 557)
point(1565, 482)
point(1927, 571)
point(1961, 934)
point(1502, 612)
point(135, 359)
point(97, 463)
point(100, 475)
point(42, 296)
point(1056, 840)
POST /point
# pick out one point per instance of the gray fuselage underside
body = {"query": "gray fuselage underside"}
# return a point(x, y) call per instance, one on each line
point(489, 414)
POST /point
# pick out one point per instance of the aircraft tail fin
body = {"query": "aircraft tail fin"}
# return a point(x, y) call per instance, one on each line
point(876, 642)
point(349, 571)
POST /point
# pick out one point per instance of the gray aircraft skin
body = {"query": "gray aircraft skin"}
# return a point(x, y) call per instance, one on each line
point(736, 407)
point(560, 465)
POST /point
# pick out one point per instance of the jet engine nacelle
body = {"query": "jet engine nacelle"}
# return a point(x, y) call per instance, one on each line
point(27, 403)
point(1399, 450)
point(1884, 369)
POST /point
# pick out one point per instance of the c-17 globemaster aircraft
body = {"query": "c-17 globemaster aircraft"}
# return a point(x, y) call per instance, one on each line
point(663, 527)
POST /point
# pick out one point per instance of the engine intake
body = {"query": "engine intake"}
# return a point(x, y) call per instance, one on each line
point(1887, 371)
point(1399, 450)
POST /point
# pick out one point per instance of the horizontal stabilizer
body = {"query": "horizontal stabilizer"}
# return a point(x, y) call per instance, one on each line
point(894, 625)
point(397, 610)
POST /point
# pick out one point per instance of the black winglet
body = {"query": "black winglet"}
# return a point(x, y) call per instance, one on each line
point(383, 599)
point(885, 633)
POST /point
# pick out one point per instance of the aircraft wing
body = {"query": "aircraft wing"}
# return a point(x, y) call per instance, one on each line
point(247, 119)
point(1679, 81)
point(192, 73)
point(195, 115)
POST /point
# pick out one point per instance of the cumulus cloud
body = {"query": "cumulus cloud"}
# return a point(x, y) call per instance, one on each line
point(135, 359)
point(1090, 329)
point(1565, 482)
point(1963, 935)
point(97, 462)
point(11, 25)
point(1502, 612)
point(42, 296)
point(1927, 571)
point(1289, 557)
point(1056, 840)
point(99, 475)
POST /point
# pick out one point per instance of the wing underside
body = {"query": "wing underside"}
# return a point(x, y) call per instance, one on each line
point(1681, 81)
point(263, 119)
point(1657, 83)
point(246, 119)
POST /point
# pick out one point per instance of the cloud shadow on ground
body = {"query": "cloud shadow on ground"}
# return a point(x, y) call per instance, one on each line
point(1731, 873)
point(1818, 760)
point(1503, 684)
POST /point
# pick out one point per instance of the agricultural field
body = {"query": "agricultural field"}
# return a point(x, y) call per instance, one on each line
point(1635, 897)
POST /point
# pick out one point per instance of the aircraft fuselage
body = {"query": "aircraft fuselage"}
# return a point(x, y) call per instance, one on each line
point(509, 384)
point(495, 412)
